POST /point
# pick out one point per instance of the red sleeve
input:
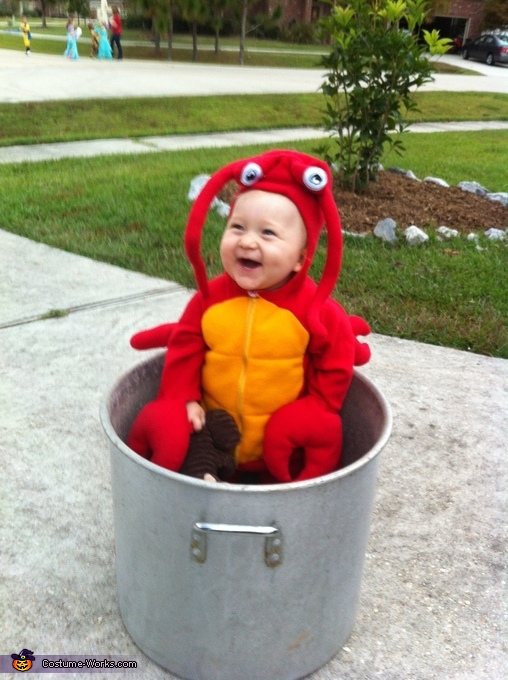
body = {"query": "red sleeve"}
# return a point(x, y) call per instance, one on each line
point(330, 365)
point(181, 376)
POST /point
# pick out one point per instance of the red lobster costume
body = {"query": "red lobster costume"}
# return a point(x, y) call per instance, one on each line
point(280, 361)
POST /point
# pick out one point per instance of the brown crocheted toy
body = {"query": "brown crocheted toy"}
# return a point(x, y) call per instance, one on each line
point(212, 450)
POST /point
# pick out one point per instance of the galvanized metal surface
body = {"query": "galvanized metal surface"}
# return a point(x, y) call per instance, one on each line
point(229, 616)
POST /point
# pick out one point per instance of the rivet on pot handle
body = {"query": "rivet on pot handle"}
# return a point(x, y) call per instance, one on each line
point(272, 536)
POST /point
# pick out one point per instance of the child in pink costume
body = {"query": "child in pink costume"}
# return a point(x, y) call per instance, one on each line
point(262, 341)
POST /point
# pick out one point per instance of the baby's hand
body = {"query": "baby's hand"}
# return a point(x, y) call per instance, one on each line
point(195, 415)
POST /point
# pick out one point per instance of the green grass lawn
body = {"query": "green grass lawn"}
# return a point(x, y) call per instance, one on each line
point(37, 122)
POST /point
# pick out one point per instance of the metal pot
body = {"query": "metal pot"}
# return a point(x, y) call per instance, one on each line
point(232, 582)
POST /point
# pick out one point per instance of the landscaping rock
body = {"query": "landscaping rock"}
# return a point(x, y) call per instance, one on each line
point(196, 186)
point(415, 236)
point(385, 230)
point(446, 232)
point(495, 234)
point(437, 180)
point(222, 208)
point(405, 173)
point(500, 196)
point(473, 188)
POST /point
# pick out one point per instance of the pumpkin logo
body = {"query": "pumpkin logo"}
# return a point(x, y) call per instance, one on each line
point(23, 661)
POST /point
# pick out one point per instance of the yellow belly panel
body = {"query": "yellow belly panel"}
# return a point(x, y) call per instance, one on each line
point(254, 365)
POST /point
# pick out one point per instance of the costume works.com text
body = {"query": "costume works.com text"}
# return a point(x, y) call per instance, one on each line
point(28, 662)
point(88, 664)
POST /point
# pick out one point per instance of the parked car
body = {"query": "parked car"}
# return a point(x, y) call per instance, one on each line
point(488, 48)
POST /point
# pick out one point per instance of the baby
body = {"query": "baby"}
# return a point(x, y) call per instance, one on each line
point(262, 341)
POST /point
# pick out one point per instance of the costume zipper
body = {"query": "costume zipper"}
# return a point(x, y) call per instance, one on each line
point(245, 357)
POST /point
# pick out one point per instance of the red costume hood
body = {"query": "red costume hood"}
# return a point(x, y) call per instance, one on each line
point(307, 182)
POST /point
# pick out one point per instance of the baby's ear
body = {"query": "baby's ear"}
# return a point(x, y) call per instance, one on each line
point(300, 262)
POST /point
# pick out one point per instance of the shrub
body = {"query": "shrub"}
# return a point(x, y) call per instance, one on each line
point(373, 70)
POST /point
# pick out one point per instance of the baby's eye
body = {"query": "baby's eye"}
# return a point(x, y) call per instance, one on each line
point(269, 232)
point(236, 227)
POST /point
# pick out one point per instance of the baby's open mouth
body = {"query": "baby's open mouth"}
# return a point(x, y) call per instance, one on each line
point(249, 264)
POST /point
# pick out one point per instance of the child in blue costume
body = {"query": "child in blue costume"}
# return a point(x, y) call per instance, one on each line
point(71, 50)
point(105, 51)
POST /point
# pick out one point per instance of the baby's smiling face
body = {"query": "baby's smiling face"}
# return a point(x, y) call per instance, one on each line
point(264, 242)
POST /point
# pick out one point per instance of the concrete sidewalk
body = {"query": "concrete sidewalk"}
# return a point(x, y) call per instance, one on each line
point(107, 147)
point(432, 598)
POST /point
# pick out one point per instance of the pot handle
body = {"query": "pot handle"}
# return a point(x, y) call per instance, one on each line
point(272, 536)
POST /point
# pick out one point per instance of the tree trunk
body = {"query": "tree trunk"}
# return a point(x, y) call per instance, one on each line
point(43, 11)
point(170, 35)
point(243, 31)
point(194, 41)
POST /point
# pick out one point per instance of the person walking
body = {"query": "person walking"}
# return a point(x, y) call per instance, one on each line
point(94, 37)
point(27, 36)
point(105, 51)
point(71, 50)
point(116, 32)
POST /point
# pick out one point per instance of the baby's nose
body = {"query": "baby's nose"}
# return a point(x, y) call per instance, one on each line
point(248, 240)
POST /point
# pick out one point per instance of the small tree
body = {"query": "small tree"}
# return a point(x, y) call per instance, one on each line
point(160, 15)
point(375, 64)
point(245, 5)
point(217, 10)
point(45, 4)
point(79, 8)
point(194, 12)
